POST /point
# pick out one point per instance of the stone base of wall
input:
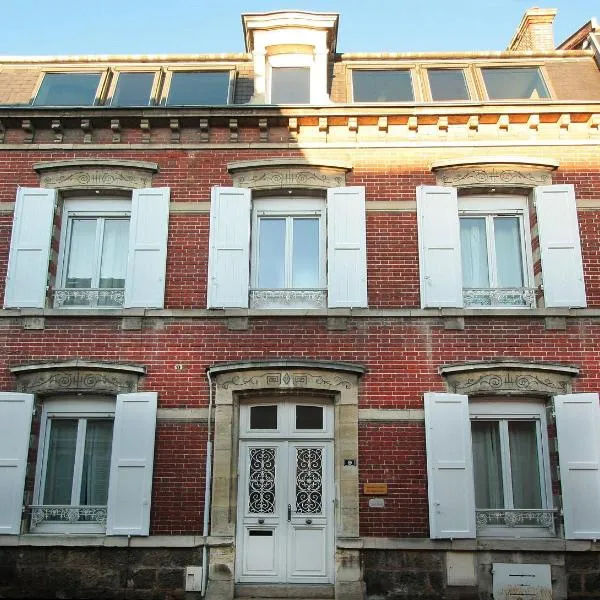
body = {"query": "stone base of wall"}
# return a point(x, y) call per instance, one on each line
point(427, 574)
point(96, 573)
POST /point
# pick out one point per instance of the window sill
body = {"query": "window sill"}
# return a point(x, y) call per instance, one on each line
point(288, 298)
point(65, 539)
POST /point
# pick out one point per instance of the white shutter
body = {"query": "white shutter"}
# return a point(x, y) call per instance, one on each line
point(578, 431)
point(15, 424)
point(27, 274)
point(229, 252)
point(560, 248)
point(449, 466)
point(347, 248)
point(439, 246)
point(130, 484)
point(147, 258)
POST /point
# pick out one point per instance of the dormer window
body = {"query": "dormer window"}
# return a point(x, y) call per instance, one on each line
point(290, 50)
point(519, 83)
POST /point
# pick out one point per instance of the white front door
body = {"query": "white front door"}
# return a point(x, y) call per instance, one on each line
point(285, 509)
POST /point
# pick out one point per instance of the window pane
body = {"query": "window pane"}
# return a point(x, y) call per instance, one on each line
point(133, 89)
point(473, 249)
point(263, 417)
point(524, 464)
point(208, 87)
point(114, 253)
point(60, 461)
point(382, 86)
point(305, 257)
point(82, 254)
point(96, 462)
point(487, 464)
point(309, 417)
point(290, 85)
point(271, 253)
point(509, 262)
point(448, 84)
point(68, 89)
point(521, 83)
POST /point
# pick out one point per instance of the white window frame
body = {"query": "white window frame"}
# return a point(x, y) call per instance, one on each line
point(490, 206)
point(92, 208)
point(282, 61)
point(289, 208)
point(68, 407)
point(286, 419)
point(503, 411)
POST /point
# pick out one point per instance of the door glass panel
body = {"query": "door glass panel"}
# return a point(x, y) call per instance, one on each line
point(309, 417)
point(305, 254)
point(61, 461)
point(309, 480)
point(261, 481)
point(271, 254)
point(487, 464)
point(263, 417)
point(96, 463)
point(524, 464)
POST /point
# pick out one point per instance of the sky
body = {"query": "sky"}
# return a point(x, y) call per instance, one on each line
point(51, 27)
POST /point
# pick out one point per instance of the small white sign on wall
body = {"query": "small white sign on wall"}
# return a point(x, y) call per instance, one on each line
point(525, 582)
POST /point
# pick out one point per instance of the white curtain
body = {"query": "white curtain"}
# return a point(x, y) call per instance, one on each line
point(524, 464)
point(60, 461)
point(509, 263)
point(96, 463)
point(473, 245)
point(113, 267)
point(80, 269)
point(487, 464)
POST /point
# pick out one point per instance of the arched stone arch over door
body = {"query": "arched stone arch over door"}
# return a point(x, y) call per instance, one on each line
point(333, 381)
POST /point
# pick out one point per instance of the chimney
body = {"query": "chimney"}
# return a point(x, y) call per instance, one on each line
point(535, 31)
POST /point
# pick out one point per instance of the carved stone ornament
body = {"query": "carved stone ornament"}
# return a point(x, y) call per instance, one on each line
point(294, 177)
point(493, 175)
point(108, 178)
point(289, 379)
point(509, 379)
point(73, 377)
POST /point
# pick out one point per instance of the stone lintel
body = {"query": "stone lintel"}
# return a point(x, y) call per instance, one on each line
point(509, 378)
point(77, 376)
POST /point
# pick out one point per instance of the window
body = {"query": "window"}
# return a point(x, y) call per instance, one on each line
point(93, 260)
point(68, 89)
point(521, 83)
point(510, 467)
point(75, 446)
point(382, 85)
point(189, 88)
point(447, 84)
point(289, 251)
point(303, 252)
point(133, 89)
point(112, 251)
point(290, 85)
point(494, 257)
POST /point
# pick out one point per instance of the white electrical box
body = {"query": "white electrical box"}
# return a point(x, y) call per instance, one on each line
point(193, 579)
point(521, 582)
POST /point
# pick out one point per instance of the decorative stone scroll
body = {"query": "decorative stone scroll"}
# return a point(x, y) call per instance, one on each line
point(78, 377)
point(491, 171)
point(286, 379)
point(509, 378)
point(96, 174)
point(282, 173)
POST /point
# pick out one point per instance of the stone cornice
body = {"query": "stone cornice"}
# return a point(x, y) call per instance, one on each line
point(290, 364)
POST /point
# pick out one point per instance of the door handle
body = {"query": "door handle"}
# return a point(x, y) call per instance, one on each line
point(308, 521)
point(289, 512)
